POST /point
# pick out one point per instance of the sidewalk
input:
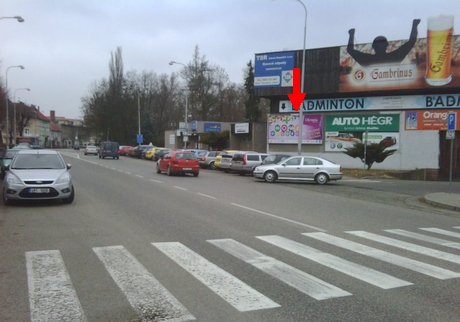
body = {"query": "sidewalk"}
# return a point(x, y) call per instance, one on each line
point(444, 200)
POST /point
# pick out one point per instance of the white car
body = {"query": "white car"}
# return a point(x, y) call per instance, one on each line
point(91, 149)
point(300, 168)
point(38, 175)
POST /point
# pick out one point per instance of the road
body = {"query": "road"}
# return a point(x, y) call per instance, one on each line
point(140, 246)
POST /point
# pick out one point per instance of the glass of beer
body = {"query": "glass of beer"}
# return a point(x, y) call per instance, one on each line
point(439, 50)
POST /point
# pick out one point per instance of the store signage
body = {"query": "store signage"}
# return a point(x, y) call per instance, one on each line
point(362, 123)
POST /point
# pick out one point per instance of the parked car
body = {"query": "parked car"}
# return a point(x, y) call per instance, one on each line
point(76, 147)
point(160, 153)
point(179, 162)
point(206, 159)
point(6, 160)
point(91, 149)
point(226, 160)
point(38, 175)
point(275, 158)
point(109, 149)
point(123, 150)
point(244, 163)
point(137, 151)
point(300, 168)
point(219, 158)
point(149, 153)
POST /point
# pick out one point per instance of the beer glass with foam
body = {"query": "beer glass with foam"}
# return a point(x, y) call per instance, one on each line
point(439, 50)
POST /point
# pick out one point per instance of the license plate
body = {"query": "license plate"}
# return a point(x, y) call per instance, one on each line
point(186, 169)
point(39, 190)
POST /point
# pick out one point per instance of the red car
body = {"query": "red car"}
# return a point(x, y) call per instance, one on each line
point(179, 162)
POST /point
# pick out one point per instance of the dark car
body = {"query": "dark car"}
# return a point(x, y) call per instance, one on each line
point(109, 149)
point(137, 151)
point(160, 153)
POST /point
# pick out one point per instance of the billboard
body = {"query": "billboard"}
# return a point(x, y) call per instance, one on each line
point(274, 69)
point(284, 129)
point(435, 120)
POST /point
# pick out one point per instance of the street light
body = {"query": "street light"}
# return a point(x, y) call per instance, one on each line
point(7, 117)
point(18, 18)
point(302, 90)
point(14, 109)
point(186, 106)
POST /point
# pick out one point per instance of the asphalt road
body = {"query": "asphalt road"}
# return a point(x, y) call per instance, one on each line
point(139, 245)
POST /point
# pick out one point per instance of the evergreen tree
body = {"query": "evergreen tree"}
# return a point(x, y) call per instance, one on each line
point(375, 152)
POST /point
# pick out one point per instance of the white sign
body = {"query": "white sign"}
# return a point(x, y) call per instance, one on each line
point(450, 134)
point(241, 128)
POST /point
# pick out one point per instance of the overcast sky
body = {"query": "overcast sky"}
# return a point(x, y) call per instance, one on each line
point(65, 45)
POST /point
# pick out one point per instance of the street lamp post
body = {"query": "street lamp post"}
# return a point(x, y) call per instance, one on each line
point(302, 90)
point(186, 106)
point(18, 18)
point(14, 110)
point(7, 117)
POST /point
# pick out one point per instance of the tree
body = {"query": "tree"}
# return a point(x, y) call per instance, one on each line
point(375, 152)
point(253, 113)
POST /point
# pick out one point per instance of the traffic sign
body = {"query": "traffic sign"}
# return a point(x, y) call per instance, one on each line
point(451, 121)
point(450, 134)
point(140, 138)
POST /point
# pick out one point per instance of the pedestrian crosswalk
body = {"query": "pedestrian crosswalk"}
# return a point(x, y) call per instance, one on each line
point(52, 296)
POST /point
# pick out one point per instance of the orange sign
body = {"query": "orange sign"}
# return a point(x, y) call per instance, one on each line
point(428, 120)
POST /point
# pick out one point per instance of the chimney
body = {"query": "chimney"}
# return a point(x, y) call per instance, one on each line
point(52, 116)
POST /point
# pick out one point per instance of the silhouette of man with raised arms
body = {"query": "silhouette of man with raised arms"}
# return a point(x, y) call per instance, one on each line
point(380, 45)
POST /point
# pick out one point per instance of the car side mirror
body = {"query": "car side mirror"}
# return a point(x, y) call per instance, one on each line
point(284, 164)
point(69, 166)
point(7, 167)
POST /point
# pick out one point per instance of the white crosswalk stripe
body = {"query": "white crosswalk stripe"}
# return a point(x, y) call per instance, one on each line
point(144, 292)
point(408, 246)
point(429, 239)
point(442, 232)
point(231, 289)
point(298, 279)
point(411, 264)
point(363, 273)
point(52, 296)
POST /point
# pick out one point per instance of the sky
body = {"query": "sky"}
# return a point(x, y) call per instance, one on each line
point(66, 45)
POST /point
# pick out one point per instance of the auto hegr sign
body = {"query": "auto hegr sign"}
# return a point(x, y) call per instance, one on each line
point(362, 123)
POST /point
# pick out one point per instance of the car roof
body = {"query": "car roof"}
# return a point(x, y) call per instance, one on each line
point(36, 151)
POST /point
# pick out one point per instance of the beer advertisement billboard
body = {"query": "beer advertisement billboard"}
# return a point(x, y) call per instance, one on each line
point(428, 62)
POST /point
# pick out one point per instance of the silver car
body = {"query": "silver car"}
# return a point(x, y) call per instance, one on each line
point(300, 168)
point(206, 159)
point(38, 175)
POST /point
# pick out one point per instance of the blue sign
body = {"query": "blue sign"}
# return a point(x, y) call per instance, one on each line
point(273, 69)
point(140, 138)
point(193, 125)
point(451, 121)
point(212, 127)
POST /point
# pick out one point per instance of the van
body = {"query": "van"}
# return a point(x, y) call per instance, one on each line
point(243, 163)
point(109, 149)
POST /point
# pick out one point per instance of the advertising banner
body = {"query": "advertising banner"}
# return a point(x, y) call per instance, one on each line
point(273, 69)
point(343, 131)
point(375, 103)
point(212, 127)
point(284, 129)
point(428, 62)
point(435, 120)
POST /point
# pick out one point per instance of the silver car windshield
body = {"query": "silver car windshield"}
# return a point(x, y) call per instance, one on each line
point(38, 161)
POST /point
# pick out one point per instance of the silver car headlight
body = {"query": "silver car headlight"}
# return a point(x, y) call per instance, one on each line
point(64, 178)
point(13, 180)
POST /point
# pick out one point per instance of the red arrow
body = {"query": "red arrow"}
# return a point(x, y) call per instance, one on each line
point(296, 97)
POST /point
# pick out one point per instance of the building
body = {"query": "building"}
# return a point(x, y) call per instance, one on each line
point(401, 103)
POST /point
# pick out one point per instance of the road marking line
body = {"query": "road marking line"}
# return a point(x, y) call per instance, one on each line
point(180, 188)
point(442, 232)
point(127, 172)
point(139, 176)
point(157, 181)
point(363, 273)
point(408, 246)
point(52, 296)
point(120, 170)
point(208, 196)
point(427, 269)
point(278, 217)
point(294, 277)
point(237, 293)
point(433, 240)
point(144, 292)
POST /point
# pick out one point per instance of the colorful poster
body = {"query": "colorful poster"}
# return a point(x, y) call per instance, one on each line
point(284, 129)
point(435, 120)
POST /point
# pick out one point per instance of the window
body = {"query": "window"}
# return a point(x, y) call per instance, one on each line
point(294, 161)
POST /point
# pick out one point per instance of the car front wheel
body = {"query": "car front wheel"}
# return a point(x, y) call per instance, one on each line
point(6, 201)
point(321, 178)
point(169, 172)
point(70, 199)
point(270, 176)
point(212, 166)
